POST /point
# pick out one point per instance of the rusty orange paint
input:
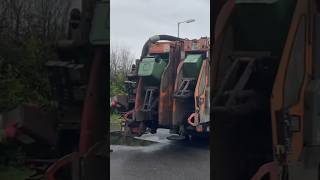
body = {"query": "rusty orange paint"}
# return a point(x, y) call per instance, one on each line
point(222, 18)
point(161, 103)
point(279, 85)
point(137, 105)
point(160, 47)
point(167, 86)
point(202, 44)
point(202, 95)
point(219, 36)
point(174, 108)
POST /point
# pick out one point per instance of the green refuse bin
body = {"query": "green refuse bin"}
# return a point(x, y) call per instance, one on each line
point(192, 65)
point(151, 68)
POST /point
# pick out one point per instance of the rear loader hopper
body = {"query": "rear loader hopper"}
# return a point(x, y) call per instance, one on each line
point(191, 94)
point(265, 86)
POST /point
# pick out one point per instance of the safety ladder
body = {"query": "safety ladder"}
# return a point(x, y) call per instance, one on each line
point(237, 76)
point(184, 88)
point(149, 98)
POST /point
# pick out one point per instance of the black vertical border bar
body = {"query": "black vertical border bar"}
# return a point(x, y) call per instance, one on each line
point(107, 91)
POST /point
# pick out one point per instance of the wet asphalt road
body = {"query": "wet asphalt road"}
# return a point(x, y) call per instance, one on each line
point(164, 160)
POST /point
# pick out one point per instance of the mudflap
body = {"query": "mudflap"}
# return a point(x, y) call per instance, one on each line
point(133, 128)
point(177, 137)
point(201, 130)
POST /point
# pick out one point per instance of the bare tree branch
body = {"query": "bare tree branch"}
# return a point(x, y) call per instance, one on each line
point(45, 18)
point(121, 59)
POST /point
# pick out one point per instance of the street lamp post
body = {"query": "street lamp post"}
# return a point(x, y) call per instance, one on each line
point(187, 21)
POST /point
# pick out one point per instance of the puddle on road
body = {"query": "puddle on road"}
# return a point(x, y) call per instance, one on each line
point(117, 138)
point(146, 143)
point(151, 142)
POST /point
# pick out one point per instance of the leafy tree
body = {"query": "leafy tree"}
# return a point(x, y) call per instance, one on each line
point(28, 32)
point(121, 60)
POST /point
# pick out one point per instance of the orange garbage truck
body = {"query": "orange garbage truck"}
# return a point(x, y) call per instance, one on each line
point(265, 90)
point(191, 105)
point(172, 89)
point(156, 73)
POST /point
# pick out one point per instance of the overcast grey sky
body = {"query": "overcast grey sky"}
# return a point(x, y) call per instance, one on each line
point(132, 22)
